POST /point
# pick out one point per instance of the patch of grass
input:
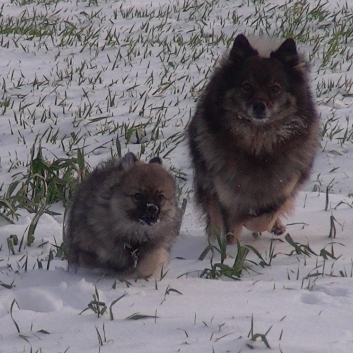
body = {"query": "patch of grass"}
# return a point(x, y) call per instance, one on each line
point(169, 290)
point(112, 304)
point(305, 249)
point(6, 285)
point(21, 334)
point(98, 307)
point(7, 210)
point(299, 248)
point(102, 339)
point(235, 271)
point(138, 316)
point(254, 336)
point(46, 182)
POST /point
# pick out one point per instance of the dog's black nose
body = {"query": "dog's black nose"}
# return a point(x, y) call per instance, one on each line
point(151, 210)
point(151, 214)
point(259, 109)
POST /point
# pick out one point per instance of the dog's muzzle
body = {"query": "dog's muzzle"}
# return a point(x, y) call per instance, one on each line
point(259, 110)
point(151, 214)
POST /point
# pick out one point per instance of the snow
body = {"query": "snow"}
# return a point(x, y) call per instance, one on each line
point(304, 301)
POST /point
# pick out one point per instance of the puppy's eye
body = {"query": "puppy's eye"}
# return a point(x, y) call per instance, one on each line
point(246, 86)
point(137, 197)
point(161, 198)
point(276, 88)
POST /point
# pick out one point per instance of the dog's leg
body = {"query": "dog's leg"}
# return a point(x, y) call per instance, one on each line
point(215, 220)
point(234, 233)
point(262, 223)
point(88, 259)
point(278, 228)
point(271, 221)
point(151, 261)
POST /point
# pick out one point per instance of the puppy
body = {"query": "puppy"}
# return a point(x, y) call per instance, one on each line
point(253, 139)
point(124, 218)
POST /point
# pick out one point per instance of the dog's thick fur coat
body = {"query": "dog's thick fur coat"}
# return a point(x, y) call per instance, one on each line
point(253, 139)
point(124, 218)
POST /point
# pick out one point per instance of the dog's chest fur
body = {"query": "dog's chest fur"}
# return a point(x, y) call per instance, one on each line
point(253, 170)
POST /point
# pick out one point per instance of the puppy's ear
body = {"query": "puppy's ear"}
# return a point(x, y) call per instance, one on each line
point(155, 160)
point(127, 161)
point(287, 53)
point(241, 49)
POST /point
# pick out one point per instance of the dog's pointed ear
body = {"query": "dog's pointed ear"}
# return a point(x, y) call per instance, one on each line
point(287, 53)
point(127, 161)
point(241, 49)
point(155, 160)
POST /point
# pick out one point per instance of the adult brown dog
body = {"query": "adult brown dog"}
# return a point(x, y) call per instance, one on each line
point(124, 218)
point(253, 139)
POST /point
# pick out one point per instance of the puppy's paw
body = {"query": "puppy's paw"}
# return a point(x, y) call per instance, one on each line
point(151, 262)
point(231, 239)
point(278, 228)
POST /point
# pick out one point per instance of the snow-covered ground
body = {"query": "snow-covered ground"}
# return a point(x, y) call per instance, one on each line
point(97, 75)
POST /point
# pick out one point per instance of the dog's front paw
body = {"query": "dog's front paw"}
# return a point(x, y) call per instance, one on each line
point(278, 228)
point(231, 239)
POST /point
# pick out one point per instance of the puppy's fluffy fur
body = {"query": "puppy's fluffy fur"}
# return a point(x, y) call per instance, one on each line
point(124, 218)
point(253, 138)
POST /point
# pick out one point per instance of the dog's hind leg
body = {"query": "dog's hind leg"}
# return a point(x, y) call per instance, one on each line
point(215, 220)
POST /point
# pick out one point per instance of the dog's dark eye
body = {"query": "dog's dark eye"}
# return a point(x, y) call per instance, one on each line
point(246, 86)
point(275, 89)
point(137, 197)
point(161, 198)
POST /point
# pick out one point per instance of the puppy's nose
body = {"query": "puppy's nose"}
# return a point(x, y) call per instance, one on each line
point(151, 210)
